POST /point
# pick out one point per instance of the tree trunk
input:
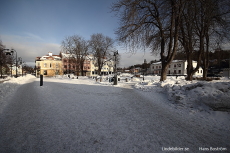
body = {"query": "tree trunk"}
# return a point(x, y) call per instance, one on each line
point(164, 71)
point(206, 58)
point(189, 68)
point(1, 71)
point(82, 70)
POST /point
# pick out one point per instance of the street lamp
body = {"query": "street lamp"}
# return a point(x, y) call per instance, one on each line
point(20, 62)
point(115, 67)
point(23, 64)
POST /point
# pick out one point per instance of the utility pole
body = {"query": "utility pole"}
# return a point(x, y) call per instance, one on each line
point(12, 51)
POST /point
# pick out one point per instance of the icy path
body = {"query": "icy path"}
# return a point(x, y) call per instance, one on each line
point(62, 117)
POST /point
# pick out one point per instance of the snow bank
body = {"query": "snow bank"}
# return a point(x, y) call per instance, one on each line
point(10, 84)
point(196, 95)
point(22, 80)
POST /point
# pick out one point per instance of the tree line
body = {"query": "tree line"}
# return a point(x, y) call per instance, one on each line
point(101, 48)
point(7, 62)
point(4, 60)
point(171, 26)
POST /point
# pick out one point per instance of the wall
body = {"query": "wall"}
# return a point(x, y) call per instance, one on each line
point(52, 67)
point(177, 67)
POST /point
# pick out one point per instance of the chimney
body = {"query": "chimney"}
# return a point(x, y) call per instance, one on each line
point(50, 53)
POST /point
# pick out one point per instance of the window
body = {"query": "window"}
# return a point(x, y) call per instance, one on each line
point(45, 65)
point(65, 66)
point(169, 66)
point(174, 71)
point(159, 67)
point(200, 71)
point(156, 67)
point(179, 71)
point(50, 65)
point(169, 72)
point(153, 67)
point(57, 65)
point(174, 65)
point(45, 72)
point(197, 71)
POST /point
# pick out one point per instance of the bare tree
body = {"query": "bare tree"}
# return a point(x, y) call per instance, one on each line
point(188, 38)
point(101, 48)
point(81, 51)
point(150, 23)
point(216, 27)
point(77, 47)
point(202, 24)
point(2, 58)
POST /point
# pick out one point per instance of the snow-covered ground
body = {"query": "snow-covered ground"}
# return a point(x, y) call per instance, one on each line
point(193, 96)
point(88, 115)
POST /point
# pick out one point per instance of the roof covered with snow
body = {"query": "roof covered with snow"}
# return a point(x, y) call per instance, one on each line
point(50, 56)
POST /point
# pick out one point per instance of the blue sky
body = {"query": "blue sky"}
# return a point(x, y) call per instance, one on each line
point(35, 27)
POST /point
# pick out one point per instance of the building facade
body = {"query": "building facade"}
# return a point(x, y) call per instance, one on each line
point(64, 63)
point(17, 71)
point(177, 67)
point(49, 65)
point(69, 63)
point(107, 69)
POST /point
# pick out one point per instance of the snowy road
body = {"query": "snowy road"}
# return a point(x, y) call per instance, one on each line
point(65, 117)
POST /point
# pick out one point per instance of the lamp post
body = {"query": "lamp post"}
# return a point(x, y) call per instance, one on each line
point(12, 51)
point(115, 67)
point(19, 62)
point(23, 64)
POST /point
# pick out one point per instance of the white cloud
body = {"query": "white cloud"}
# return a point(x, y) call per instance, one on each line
point(29, 50)
point(30, 46)
point(33, 36)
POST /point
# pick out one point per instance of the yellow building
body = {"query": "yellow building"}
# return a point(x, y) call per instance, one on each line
point(49, 65)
